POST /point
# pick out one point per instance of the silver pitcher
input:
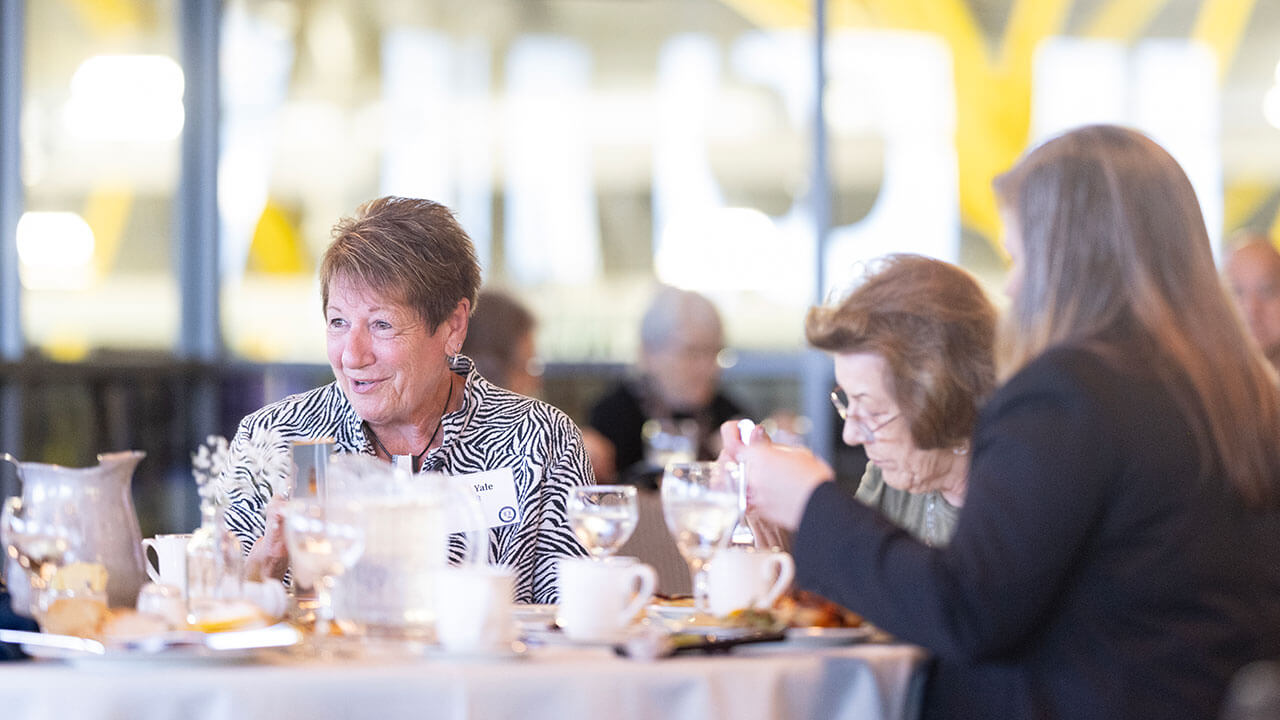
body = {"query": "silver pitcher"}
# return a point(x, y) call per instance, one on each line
point(108, 531)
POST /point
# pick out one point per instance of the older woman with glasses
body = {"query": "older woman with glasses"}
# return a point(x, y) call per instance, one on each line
point(913, 359)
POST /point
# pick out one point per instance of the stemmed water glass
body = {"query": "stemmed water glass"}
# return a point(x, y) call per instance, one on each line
point(602, 517)
point(42, 537)
point(324, 539)
point(700, 502)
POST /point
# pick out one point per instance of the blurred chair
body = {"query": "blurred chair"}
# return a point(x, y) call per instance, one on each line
point(1254, 693)
point(652, 543)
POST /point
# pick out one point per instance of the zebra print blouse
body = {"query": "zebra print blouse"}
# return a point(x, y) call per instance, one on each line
point(494, 429)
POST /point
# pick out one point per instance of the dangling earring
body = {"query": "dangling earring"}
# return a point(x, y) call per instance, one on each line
point(962, 450)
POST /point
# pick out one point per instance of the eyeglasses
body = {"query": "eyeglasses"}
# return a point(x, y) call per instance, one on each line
point(853, 412)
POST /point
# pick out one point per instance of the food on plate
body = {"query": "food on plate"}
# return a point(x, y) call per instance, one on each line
point(76, 615)
point(81, 577)
point(89, 617)
point(801, 608)
point(131, 625)
point(795, 609)
point(229, 615)
point(763, 620)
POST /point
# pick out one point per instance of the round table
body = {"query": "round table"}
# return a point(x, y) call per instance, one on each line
point(861, 681)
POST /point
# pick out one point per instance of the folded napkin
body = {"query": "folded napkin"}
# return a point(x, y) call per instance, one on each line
point(269, 596)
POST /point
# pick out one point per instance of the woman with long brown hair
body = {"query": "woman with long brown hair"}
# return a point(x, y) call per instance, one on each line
point(1118, 554)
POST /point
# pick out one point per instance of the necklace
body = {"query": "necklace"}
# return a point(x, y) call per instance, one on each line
point(930, 521)
point(418, 457)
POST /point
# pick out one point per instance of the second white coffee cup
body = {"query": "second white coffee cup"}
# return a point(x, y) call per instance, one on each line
point(600, 598)
point(473, 608)
point(739, 579)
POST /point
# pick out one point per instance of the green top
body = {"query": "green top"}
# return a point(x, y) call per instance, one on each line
point(927, 516)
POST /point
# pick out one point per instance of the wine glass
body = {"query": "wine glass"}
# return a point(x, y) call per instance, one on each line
point(324, 539)
point(41, 537)
point(602, 517)
point(700, 502)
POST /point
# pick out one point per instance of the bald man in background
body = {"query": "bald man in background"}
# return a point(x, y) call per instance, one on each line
point(1253, 276)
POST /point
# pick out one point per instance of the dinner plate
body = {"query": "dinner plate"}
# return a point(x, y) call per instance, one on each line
point(826, 636)
point(684, 619)
point(676, 617)
point(182, 655)
point(539, 616)
point(669, 612)
point(176, 647)
point(808, 639)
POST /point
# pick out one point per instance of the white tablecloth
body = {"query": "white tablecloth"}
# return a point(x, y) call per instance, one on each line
point(859, 681)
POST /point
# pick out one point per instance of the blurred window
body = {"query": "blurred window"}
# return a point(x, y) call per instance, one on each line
point(102, 119)
point(589, 148)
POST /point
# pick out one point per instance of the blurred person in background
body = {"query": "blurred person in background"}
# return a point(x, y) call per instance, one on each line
point(1253, 275)
point(1118, 554)
point(913, 346)
point(676, 395)
point(500, 342)
point(398, 283)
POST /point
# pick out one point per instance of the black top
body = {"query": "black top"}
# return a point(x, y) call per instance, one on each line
point(621, 414)
point(10, 620)
point(1100, 569)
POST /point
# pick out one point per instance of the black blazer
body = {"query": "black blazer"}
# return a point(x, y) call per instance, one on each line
point(1100, 568)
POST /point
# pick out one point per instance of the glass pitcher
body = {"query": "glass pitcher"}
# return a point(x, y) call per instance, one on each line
point(412, 526)
point(107, 523)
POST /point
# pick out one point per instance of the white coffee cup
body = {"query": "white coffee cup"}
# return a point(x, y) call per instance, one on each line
point(600, 598)
point(473, 608)
point(171, 559)
point(742, 578)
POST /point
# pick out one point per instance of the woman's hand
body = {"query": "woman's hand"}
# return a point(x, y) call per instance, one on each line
point(780, 478)
point(269, 557)
point(731, 445)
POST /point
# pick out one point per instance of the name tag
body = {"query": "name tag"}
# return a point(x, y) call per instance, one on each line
point(497, 492)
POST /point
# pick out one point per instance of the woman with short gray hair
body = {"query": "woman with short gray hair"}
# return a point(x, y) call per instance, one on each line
point(398, 284)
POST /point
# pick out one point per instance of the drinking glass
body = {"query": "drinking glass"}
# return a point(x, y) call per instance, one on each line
point(602, 517)
point(700, 502)
point(42, 537)
point(324, 539)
